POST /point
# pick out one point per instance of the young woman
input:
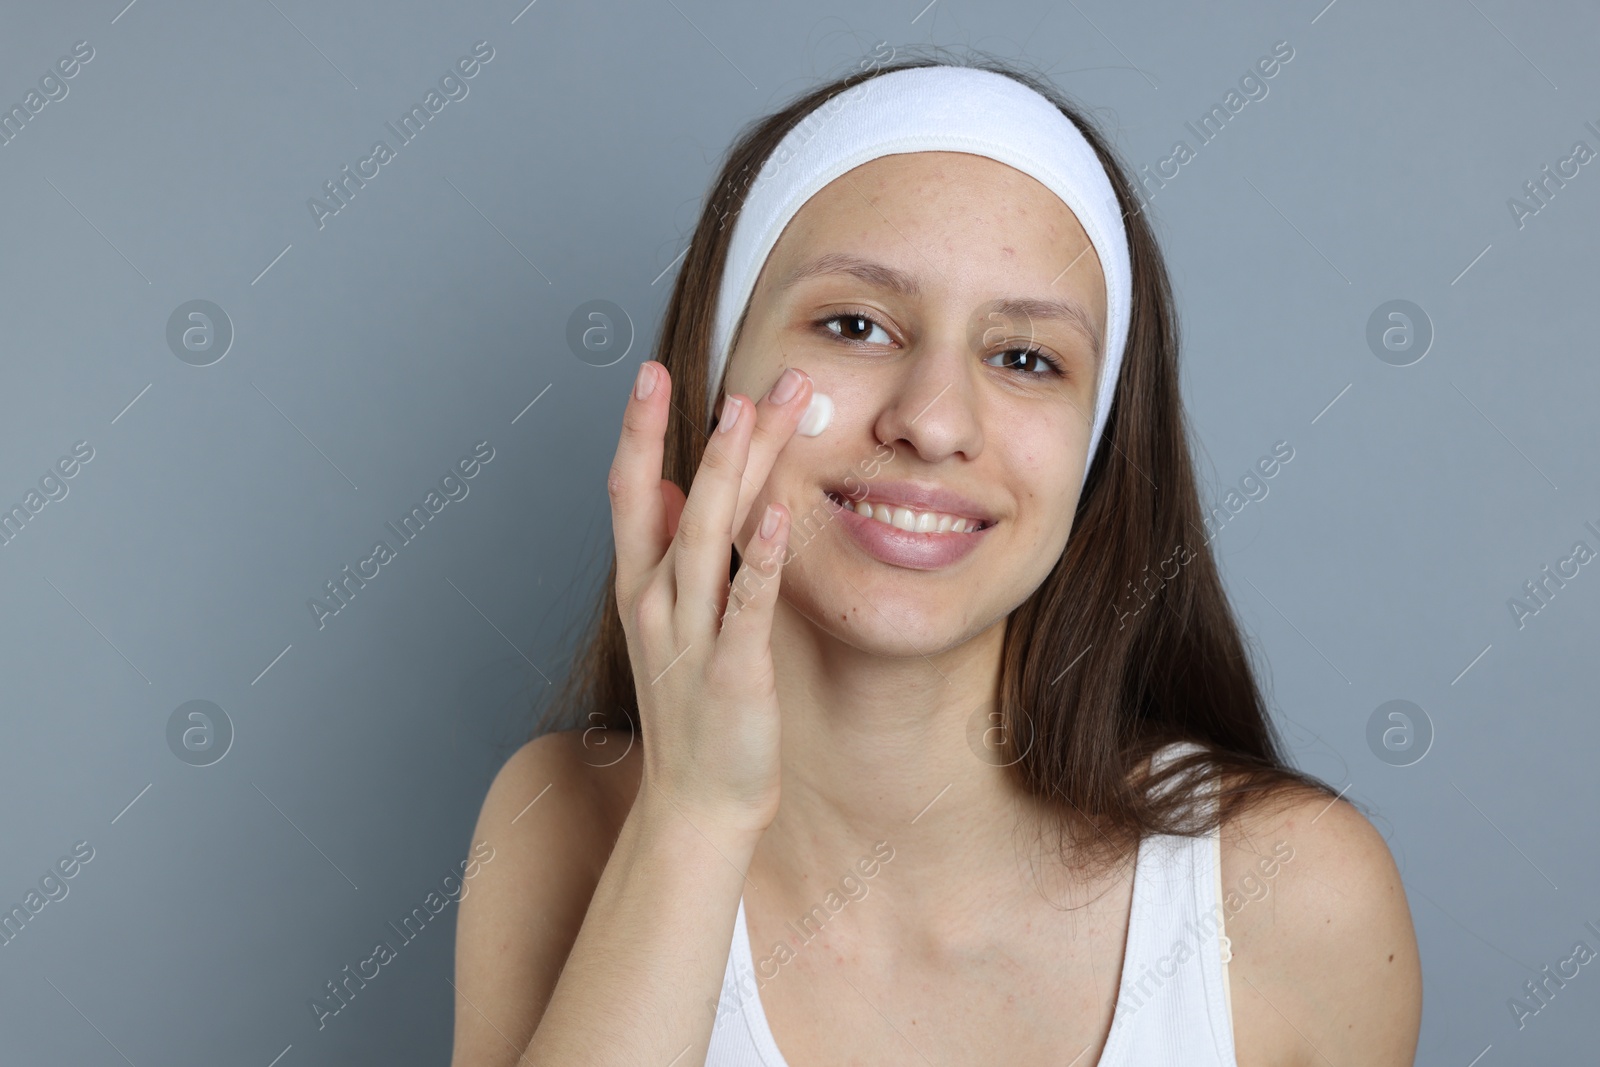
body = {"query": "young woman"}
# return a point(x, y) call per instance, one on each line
point(929, 737)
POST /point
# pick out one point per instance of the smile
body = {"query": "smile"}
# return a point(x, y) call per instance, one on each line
point(908, 519)
point(892, 533)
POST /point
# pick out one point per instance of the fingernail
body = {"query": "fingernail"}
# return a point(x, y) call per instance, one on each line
point(730, 414)
point(787, 385)
point(769, 523)
point(817, 415)
point(645, 383)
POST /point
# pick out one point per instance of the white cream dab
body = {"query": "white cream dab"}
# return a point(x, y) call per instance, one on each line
point(817, 416)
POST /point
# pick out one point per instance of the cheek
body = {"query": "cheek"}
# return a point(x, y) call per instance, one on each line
point(1045, 453)
point(1044, 463)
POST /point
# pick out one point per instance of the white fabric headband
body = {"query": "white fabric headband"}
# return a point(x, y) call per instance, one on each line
point(940, 108)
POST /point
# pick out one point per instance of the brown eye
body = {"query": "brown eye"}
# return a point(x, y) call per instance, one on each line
point(854, 323)
point(1038, 355)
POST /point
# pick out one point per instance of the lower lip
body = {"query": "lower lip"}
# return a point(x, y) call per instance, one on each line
point(902, 548)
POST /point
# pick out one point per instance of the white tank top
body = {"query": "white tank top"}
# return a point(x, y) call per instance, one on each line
point(1173, 1007)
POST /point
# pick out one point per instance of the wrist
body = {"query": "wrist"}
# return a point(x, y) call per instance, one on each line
point(733, 834)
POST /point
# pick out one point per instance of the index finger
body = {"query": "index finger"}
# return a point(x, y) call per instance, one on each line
point(775, 427)
point(638, 514)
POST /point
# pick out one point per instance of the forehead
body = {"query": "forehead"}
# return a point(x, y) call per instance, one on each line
point(925, 183)
point(938, 212)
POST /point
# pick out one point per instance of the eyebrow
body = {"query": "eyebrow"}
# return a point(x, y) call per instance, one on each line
point(899, 282)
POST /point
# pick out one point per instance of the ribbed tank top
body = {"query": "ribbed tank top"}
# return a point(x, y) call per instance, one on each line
point(1173, 1007)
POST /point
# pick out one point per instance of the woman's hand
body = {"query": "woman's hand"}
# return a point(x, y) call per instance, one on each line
point(700, 648)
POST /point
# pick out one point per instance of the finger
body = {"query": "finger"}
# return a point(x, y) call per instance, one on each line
point(672, 497)
point(638, 512)
point(702, 548)
point(775, 428)
point(746, 636)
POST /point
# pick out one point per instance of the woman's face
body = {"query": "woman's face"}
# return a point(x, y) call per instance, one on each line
point(909, 290)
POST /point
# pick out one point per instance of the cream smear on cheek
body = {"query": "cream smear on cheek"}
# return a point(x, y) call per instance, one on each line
point(818, 414)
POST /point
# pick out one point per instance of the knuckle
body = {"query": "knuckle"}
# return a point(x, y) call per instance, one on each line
point(768, 568)
point(635, 421)
point(755, 577)
point(616, 486)
point(691, 527)
point(747, 588)
point(648, 606)
point(715, 457)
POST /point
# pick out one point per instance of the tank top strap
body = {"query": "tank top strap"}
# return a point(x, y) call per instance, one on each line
point(1172, 1002)
point(740, 1036)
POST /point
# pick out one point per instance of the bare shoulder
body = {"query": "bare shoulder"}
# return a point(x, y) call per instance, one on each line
point(585, 781)
point(1325, 964)
point(551, 816)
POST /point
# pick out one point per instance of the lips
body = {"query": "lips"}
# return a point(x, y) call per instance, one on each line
point(906, 549)
point(918, 496)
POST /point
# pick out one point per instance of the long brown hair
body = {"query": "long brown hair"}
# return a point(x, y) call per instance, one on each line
point(1116, 653)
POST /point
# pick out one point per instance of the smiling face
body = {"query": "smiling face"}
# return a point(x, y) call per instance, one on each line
point(912, 290)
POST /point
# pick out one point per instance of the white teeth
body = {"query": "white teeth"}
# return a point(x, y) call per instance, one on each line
point(913, 521)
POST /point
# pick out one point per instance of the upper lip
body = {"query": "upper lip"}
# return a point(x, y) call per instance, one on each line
point(918, 496)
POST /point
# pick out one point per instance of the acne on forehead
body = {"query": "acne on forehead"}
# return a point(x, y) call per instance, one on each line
point(1067, 245)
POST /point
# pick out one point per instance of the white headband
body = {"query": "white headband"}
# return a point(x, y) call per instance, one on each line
point(940, 108)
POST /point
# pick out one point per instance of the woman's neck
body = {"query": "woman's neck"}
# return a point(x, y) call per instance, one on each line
point(894, 754)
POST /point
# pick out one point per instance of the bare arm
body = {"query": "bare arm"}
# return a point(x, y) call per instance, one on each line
point(516, 924)
point(1329, 970)
point(656, 939)
point(639, 981)
point(564, 927)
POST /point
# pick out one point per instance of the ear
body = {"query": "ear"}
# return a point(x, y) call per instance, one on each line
point(673, 500)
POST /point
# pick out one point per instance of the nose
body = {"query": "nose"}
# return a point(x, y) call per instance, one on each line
point(934, 405)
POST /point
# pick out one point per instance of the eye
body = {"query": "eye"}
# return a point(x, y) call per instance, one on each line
point(860, 321)
point(1052, 365)
point(857, 321)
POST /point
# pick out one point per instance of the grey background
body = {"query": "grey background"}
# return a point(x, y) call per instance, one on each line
point(429, 313)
